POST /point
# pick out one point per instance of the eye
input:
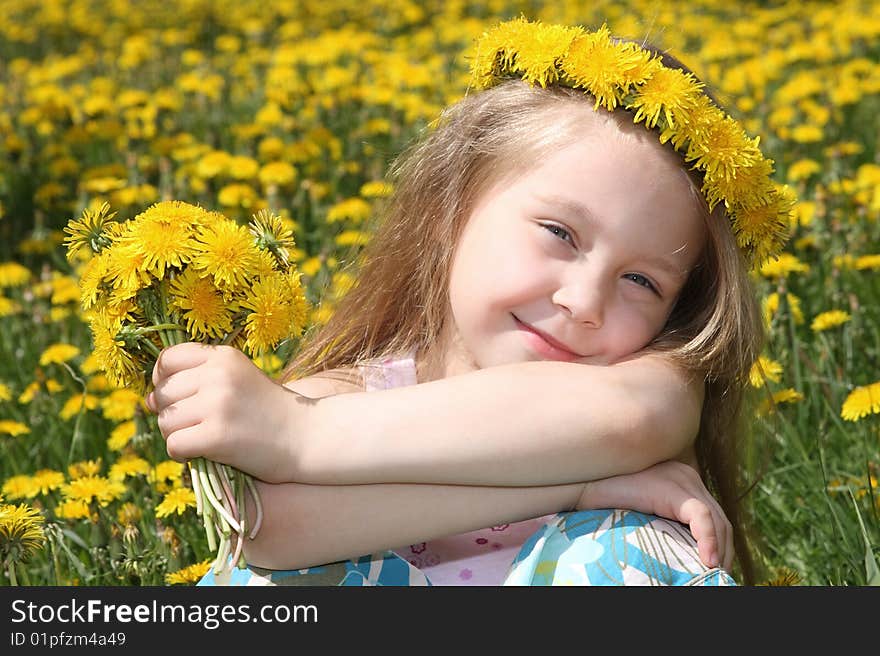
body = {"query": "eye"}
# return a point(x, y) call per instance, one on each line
point(641, 280)
point(559, 231)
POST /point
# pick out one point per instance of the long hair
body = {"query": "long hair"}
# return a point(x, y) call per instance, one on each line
point(400, 300)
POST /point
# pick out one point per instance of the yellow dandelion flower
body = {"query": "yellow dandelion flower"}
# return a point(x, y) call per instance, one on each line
point(20, 486)
point(98, 383)
point(242, 167)
point(785, 577)
point(120, 366)
point(162, 236)
point(829, 319)
point(667, 94)
point(606, 69)
point(764, 369)
point(537, 57)
point(205, 310)
point(749, 184)
point(212, 164)
point(311, 266)
point(84, 468)
point(723, 149)
point(864, 262)
point(356, 210)
point(783, 265)
point(861, 402)
point(166, 474)
point(129, 514)
point(65, 289)
point(94, 488)
point(120, 404)
point(92, 279)
point(770, 306)
point(128, 465)
point(176, 500)
point(807, 133)
point(78, 403)
point(277, 173)
point(237, 195)
point(73, 509)
point(376, 189)
point(803, 169)
point(21, 533)
point(13, 274)
point(190, 574)
point(8, 307)
point(46, 480)
point(90, 231)
point(272, 315)
point(226, 251)
point(5, 392)
point(29, 393)
point(91, 365)
point(272, 235)
point(58, 353)
point(14, 428)
point(352, 238)
point(783, 396)
point(126, 271)
point(121, 435)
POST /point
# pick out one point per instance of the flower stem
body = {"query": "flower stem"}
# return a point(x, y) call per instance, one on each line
point(258, 521)
point(10, 567)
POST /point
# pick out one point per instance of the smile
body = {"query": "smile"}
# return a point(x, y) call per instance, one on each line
point(544, 345)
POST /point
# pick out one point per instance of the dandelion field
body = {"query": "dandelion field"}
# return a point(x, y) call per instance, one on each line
point(298, 108)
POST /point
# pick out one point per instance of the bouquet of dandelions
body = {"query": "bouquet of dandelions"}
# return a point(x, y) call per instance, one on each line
point(178, 273)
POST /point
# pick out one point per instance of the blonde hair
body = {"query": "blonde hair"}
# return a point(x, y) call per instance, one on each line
point(399, 303)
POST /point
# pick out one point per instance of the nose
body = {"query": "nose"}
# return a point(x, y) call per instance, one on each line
point(583, 301)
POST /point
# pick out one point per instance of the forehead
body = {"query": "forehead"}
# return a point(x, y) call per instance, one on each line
point(614, 172)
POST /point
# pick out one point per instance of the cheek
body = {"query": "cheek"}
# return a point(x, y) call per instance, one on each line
point(634, 329)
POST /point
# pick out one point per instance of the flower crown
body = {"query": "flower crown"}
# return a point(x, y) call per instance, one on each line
point(670, 100)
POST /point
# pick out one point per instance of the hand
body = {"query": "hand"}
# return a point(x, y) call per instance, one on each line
point(672, 490)
point(213, 402)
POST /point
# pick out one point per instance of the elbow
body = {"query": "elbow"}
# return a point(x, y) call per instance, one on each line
point(665, 430)
point(272, 546)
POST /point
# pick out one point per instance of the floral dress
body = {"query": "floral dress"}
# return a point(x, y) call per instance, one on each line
point(590, 547)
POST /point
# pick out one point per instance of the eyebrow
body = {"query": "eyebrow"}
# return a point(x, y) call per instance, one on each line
point(581, 211)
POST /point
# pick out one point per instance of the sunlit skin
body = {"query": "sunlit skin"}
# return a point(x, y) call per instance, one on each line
point(578, 259)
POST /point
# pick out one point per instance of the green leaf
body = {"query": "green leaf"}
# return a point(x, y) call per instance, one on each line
point(872, 572)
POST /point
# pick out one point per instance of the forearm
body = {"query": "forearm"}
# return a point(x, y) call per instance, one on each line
point(537, 423)
point(310, 525)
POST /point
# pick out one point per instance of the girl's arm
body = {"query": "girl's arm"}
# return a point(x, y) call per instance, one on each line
point(534, 423)
point(308, 525)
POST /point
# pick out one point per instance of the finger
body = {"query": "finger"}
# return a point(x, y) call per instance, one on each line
point(697, 515)
point(179, 357)
point(725, 534)
point(178, 416)
point(176, 387)
point(186, 443)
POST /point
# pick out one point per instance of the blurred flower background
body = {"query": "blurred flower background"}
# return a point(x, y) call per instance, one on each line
point(297, 107)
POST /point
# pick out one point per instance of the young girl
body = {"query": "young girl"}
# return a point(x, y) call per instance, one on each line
point(555, 315)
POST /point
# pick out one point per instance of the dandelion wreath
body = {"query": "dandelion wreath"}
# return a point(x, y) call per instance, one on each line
point(179, 273)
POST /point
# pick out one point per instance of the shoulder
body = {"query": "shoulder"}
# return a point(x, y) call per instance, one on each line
point(328, 383)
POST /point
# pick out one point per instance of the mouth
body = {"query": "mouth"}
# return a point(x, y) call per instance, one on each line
point(545, 345)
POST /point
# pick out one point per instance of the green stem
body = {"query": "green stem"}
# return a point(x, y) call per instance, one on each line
point(11, 569)
point(25, 577)
point(150, 347)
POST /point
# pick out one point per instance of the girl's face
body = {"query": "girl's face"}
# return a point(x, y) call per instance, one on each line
point(581, 258)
